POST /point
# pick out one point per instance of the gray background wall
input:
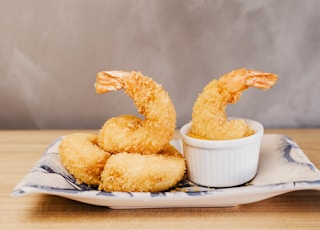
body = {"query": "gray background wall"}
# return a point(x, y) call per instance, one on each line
point(50, 52)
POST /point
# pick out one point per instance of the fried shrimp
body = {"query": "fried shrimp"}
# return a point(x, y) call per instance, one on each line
point(134, 172)
point(83, 158)
point(209, 119)
point(131, 134)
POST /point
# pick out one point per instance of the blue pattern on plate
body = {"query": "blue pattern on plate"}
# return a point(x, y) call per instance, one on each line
point(288, 146)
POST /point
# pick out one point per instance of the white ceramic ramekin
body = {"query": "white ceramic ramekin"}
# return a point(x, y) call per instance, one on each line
point(222, 163)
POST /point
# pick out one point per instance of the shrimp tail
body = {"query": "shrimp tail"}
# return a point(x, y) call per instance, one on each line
point(261, 80)
point(108, 81)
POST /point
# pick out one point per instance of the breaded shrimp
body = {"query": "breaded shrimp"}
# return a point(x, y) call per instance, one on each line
point(129, 133)
point(82, 157)
point(134, 172)
point(209, 119)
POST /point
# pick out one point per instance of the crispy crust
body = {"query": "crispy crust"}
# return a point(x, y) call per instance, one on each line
point(134, 172)
point(82, 157)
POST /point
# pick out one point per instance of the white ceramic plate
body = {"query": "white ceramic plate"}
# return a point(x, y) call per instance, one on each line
point(283, 167)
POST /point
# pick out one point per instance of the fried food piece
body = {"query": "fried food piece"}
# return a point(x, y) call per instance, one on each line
point(209, 119)
point(129, 133)
point(82, 157)
point(134, 172)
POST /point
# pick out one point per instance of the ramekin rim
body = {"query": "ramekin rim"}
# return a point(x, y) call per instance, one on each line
point(221, 143)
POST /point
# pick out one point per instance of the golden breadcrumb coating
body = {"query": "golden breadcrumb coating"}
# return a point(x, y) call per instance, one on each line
point(82, 157)
point(134, 172)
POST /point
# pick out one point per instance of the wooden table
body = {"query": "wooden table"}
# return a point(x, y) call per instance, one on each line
point(19, 150)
